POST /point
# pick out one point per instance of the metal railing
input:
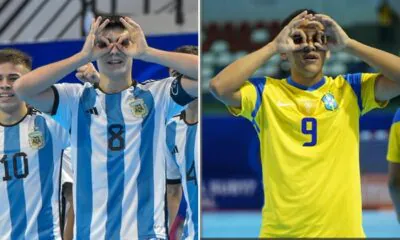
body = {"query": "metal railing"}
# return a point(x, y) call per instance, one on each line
point(12, 30)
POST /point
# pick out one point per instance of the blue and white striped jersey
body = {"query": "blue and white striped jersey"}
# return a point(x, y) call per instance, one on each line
point(182, 163)
point(30, 172)
point(117, 143)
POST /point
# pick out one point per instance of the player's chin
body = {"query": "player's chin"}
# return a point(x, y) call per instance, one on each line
point(313, 67)
point(8, 106)
point(117, 68)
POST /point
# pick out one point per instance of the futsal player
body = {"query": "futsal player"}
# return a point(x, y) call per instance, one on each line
point(182, 161)
point(393, 156)
point(117, 129)
point(31, 146)
point(308, 125)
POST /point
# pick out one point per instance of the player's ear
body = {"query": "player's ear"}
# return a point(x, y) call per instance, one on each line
point(283, 56)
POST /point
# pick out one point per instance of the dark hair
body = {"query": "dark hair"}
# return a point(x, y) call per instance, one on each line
point(16, 57)
point(189, 49)
point(289, 18)
point(114, 23)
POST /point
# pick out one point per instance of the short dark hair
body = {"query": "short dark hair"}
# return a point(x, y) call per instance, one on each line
point(115, 22)
point(289, 18)
point(16, 57)
point(189, 49)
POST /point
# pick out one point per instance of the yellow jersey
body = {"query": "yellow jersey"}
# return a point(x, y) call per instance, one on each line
point(309, 139)
point(393, 154)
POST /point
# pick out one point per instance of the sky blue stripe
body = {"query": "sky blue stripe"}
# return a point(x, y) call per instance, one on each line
point(115, 166)
point(192, 186)
point(306, 88)
point(397, 116)
point(259, 84)
point(83, 171)
point(171, 137)
point(46, 168)
point(145, 181)
point(15, 187)
point(355, 82)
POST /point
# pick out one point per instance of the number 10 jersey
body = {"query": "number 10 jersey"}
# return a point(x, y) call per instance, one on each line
point(309, 141)
point(30, 168)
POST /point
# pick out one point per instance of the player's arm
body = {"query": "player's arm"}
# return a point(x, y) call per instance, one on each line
point(69, 225)
point(226, 85)
point(134, 45)
point(174, 196)
point(35, 86)
point(387, 86)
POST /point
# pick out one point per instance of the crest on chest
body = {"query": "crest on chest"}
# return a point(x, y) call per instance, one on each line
point(36, 139)
point(138, 107)
point(330, 102)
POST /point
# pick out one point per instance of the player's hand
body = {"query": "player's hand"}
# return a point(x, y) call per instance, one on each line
point(336, 37)
point(291, 38)
point(88, 73)
point(96, 46)
point(134, 43)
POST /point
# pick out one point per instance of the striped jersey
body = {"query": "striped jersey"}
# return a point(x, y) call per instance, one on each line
point(393, 154)
point(309, 144)
point(66, 170)
point(117, 158)
point(30, 169)
point(182, 163)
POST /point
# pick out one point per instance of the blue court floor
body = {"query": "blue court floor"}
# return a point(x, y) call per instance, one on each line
point(246, 224)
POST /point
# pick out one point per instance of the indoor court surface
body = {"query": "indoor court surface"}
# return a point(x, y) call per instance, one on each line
point(246, 224)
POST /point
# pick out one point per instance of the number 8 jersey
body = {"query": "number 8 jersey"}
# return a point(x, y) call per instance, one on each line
point(30, 168)
point(309, 141)
point(117, 143)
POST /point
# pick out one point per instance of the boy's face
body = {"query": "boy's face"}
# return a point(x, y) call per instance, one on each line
point(115, 61)
point(309, 61)
point(9, 73)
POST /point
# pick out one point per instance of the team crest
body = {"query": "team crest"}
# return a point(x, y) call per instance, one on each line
point(138, 108)
point(329, 102)
point(36, 140)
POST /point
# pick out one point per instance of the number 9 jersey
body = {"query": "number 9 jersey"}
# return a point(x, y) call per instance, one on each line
point(309, 141)
point(30, 168)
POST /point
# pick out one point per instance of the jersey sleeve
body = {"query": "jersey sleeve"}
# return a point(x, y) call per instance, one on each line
point(66, 97)
point(251, 98)
point(67, 170)
point(393, 154)
point(174, 97)
point(363, 85)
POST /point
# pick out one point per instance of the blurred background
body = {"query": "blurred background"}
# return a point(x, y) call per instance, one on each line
point(51, 30)
point(232, 194)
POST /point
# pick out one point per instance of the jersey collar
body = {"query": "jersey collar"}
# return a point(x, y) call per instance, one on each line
point(306, 88)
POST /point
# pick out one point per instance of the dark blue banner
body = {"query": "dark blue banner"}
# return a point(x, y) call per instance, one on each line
point(49, 52)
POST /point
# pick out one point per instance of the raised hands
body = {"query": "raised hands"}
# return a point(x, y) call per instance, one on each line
point(290, 38)
point(95, 46)
point(132, 44)
point(337, 39)
point(329, 35)
point(88, 73)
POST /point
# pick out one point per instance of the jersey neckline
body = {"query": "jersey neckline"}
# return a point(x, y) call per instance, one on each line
point(306, 88)
point(29, 112)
